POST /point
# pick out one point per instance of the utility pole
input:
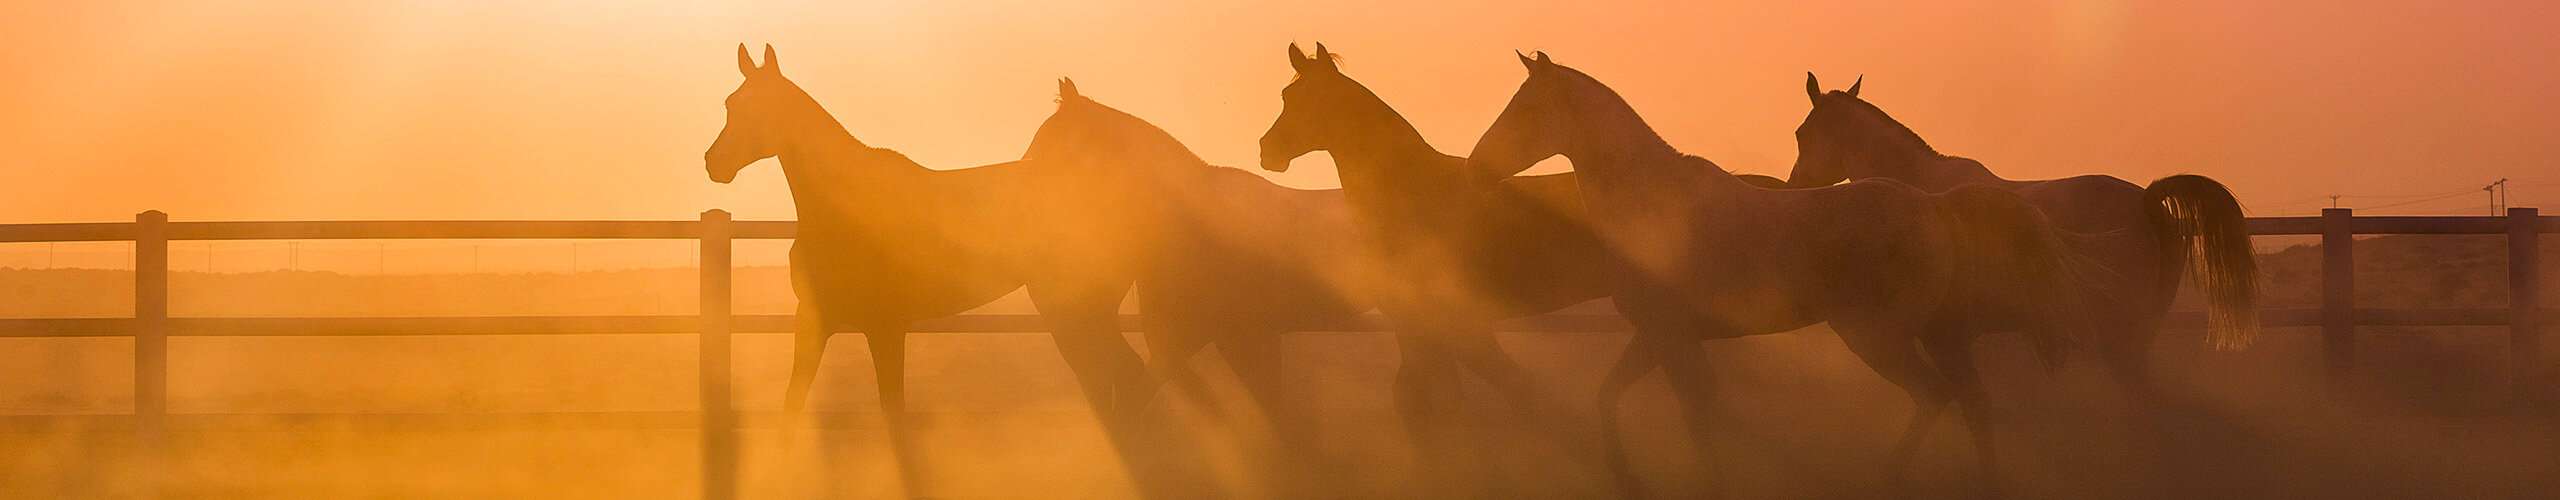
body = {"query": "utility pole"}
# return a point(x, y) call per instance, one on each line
point(2497, 196)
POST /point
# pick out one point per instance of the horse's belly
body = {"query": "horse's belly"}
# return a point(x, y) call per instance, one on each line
point(867, 285)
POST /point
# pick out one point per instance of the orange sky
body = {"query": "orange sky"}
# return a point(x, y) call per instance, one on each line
point(544, 110)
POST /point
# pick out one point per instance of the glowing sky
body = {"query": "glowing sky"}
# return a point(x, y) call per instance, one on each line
point(547, 109)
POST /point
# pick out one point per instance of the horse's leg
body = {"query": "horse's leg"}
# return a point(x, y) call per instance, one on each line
point(1084, 320)
point(809, 343)
point(1426, 395)
point(1481, 353)
point(1170, 347)
point(1953, 354)
point(1684, 365)
point(1420, 372)
point(889, 365)
point(2127, 352)
point(1255, 357)
point(1637, 360)
point(1894, 353)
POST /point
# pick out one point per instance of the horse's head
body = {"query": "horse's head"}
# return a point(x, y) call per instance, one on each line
point(1839, 138)
point(1536, 125)
point(1312, 109)
point(761, 114)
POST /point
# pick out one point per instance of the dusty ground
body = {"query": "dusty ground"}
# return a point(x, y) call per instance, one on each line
point(2426, 414)
point(1799, 418)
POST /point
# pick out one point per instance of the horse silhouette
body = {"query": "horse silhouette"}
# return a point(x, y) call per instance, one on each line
point(2178, 223)
point(884, 242)
point(1459, 257)
point(1893, 269)
point(1220, 255)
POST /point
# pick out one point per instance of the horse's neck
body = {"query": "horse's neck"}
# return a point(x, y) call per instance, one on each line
point(1662, 170)
point(1933, 172)
point(1623, 152)
point(829, 173)
point(1387, 159)
point(1895, 152)
point(1946, 172)
point(1617, 145)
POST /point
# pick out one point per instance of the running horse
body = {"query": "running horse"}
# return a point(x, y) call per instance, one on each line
point(1896, 271)
point(2178, 223)
point(1221, 256)
point(884, 242)
point(1461, 257)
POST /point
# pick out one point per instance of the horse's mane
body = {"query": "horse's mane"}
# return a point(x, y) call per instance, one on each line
point(1586, 84)
point(1703, 162)
point(889, 155)
point(1878, 114)
point(1112, 127)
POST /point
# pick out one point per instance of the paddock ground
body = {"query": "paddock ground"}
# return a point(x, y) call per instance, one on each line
point(1798, 417)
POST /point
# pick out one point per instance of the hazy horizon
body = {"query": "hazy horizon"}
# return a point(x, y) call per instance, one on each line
point(423, 110)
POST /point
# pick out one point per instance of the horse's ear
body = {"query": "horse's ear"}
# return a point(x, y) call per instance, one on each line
point(1542, 59)
point(746, 66)
point(771, 64)
point(1525, 61)
point(1323, 54)
point(1067, 89)
point(1812, 87)
point(1853, 86)
point(1297, 58)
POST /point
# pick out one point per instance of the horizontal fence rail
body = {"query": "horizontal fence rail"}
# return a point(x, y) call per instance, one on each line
point(151, 326)
point(1558, 323)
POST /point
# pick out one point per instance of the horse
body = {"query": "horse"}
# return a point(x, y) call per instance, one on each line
point(1461, 257)
point(2180, 222)
point(884, 242)
point(1894, 270)
point(1222, 255)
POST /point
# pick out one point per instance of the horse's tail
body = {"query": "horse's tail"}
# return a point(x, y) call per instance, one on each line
point(2018, 259)
point(2201, 226)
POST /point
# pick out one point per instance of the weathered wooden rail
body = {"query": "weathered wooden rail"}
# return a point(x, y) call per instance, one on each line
point(150, 327)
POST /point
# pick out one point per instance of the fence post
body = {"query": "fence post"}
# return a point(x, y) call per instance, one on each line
point(719, 439)
point(2524, 303)
point(150, 325)
point(2337, 295)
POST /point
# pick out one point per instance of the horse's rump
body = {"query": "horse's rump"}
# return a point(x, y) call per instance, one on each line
point(2012, 262)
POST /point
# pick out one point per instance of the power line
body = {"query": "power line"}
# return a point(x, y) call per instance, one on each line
point(2417, 201)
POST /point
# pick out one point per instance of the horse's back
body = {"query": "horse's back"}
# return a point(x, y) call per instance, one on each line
point(950, 243)
point(2087, 203)
point(881, 279)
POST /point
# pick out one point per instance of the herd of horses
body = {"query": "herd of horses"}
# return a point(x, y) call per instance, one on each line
point(1907, 253)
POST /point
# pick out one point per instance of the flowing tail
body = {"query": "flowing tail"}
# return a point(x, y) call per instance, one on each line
point(2028, 265)
point(2201, 227)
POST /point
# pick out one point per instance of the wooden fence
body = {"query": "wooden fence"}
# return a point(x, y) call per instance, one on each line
point(151, 325)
